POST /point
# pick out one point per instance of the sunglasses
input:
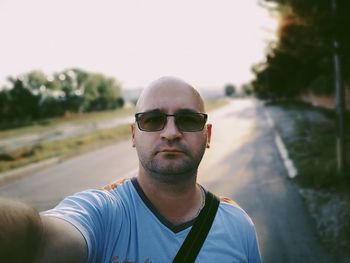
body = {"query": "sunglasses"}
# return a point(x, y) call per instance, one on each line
point(152, 121)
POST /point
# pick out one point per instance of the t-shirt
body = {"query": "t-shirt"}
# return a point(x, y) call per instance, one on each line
point(121, 225)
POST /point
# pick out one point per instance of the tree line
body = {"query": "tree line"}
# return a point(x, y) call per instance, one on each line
point(301, 60)
point(34, 95)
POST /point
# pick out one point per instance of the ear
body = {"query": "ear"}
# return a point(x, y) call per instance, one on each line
point(209, 126)
point(132, 126)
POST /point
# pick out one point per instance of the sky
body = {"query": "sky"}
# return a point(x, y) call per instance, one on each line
point(207, 43)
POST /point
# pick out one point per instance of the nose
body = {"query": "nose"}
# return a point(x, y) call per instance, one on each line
point(170, 131)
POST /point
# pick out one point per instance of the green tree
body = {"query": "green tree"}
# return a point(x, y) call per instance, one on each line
point(248, 89)
point(34, 95)
point(24, 104)
point(301, 59)
point(35, 81)
point(65, 83)
point(5, 105)
point(101, 93)
point(230, 90)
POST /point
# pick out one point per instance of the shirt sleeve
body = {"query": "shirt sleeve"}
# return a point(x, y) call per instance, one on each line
point(88, 212)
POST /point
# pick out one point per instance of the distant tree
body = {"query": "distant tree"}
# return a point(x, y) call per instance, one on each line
point(52, 107)
point(70, 92)
point(101, 93)
point(24, 104)
point(5, 105)
point(230, 90)
point(119, 102)
point(248, 89)
point(34, 95)
point(35, 81)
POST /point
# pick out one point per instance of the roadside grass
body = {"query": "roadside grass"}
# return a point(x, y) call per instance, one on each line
point(74, 145)
point(216, 103)
point(309, 134)
point(310, 137)
point(70, 118)
point(64, 148)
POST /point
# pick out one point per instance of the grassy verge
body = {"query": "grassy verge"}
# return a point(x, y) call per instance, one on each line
point(75, 145)
point(63, 148)
point(310, 136)
point(211, 105)
point(74, 118)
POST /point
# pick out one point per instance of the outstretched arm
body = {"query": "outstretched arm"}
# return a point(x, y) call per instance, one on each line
point(25, 236)
point(20, 232)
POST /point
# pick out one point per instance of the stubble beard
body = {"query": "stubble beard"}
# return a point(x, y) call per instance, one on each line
point(173, 170)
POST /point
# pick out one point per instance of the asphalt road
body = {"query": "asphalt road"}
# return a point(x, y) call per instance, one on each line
point(243, 163)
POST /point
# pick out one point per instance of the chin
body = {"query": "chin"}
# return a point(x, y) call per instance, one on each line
point(173, 178)
point(173, 174)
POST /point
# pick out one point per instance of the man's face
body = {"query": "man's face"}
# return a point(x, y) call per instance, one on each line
point(171, 154)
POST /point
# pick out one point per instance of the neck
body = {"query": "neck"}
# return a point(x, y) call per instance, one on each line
point(178, 203)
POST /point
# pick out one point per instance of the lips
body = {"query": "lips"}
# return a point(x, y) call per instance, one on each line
point(171, 150)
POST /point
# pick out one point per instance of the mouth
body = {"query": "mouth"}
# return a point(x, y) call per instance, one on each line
point(170, 150)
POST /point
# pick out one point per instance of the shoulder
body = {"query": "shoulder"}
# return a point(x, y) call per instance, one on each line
point(231, 212)
point(111, 194)
point(114, 185)
point(92, 200)
point(227, 200)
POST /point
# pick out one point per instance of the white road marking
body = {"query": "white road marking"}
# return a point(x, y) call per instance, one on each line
point(288, 163)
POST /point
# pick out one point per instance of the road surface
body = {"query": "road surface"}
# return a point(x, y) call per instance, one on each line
point(242, 163)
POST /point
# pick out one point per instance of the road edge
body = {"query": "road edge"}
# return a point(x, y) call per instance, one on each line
point(282, 149)
point(17, 173)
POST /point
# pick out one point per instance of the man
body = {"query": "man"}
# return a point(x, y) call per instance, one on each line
point(147, 218)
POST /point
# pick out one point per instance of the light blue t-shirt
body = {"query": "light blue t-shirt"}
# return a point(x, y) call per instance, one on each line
point(121, 225)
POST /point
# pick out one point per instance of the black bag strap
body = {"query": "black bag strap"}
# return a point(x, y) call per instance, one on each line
point(200, 229)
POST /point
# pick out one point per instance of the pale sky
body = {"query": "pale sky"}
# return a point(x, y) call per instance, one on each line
point(209, 43)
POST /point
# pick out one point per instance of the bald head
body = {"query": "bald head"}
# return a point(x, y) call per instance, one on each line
point(166, 90)
point(170, 133)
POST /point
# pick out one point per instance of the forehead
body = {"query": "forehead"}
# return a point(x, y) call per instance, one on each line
point(170, 97)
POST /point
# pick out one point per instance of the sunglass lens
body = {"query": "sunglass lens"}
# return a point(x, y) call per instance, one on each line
point(151, 121)
point(190, 122)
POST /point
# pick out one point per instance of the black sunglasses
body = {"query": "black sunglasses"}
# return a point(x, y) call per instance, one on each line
point(152, 121)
